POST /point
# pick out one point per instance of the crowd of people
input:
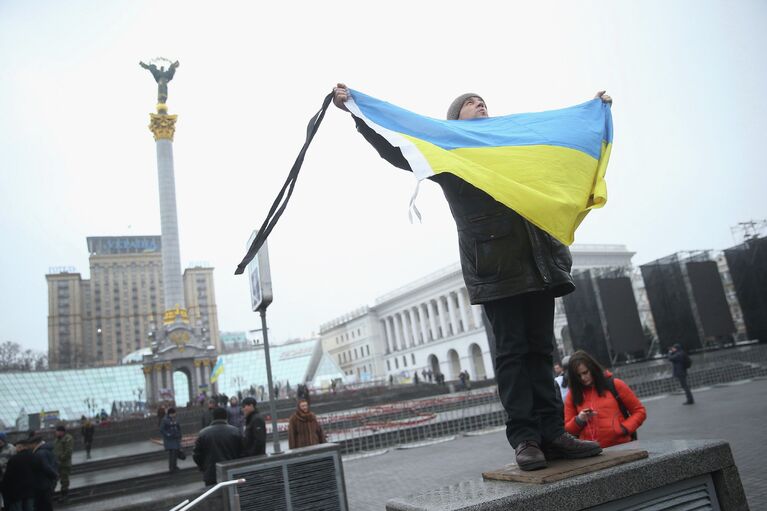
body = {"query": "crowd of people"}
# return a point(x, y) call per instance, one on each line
point(281, 390)
point(235, 431)
point(31, 469)
point(595, 406)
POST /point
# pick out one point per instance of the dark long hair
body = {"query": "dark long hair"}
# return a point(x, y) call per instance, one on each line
point(596, 370)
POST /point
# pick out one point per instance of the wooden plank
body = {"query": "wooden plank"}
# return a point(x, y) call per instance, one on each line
point(563, 469)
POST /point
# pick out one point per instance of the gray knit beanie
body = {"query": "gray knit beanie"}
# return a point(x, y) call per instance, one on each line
point(457, 104)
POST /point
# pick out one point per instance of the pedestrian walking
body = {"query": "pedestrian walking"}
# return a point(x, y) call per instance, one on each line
point(170, 430)
point(87, 430)
point(681, 362)
point(63, 447)
point(254, 437)
point(217, 442)
point(303, 427)
point(599, 407)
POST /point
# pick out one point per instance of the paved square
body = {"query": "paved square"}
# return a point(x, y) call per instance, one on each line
point(735, 412)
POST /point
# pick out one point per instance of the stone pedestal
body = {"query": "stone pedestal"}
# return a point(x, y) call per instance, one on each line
point(701, 471)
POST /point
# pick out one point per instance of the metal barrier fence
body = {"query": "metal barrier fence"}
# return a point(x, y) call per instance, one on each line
point(415, 421)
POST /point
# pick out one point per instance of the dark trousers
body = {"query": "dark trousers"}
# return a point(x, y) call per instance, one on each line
point(44, 500)
point(686, 387)
point(524, 335)
point(172, 457)
point(88, 446)
point(21, 505)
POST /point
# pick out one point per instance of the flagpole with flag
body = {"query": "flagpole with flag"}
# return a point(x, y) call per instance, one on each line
point(217, 370)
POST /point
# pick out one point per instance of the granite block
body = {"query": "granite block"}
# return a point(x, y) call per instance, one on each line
point(668, 462)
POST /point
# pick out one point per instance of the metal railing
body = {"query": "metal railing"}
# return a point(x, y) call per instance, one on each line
point(186, 505)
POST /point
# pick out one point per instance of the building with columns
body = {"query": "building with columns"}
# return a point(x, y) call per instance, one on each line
point(430, 325)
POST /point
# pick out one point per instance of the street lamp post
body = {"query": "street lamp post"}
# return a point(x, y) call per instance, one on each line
point(272, 400)
point(260, 298)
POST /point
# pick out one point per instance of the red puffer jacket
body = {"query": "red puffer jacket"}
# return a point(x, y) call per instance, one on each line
point(605, 426)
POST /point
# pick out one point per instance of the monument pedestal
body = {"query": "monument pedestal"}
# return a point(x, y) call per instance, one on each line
point(563, 469)
point(676, 474)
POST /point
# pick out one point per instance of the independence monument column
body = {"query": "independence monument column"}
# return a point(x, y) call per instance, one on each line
point(163, 126)
point(175, 346)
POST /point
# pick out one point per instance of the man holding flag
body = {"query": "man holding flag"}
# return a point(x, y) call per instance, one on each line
point(511, 264)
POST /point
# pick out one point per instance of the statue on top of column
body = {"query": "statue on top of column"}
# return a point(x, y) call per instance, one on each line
point(162, 76)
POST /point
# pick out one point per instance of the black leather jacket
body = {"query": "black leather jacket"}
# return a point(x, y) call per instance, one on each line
point(217, 442)
point(502, 254)
point(254, 439)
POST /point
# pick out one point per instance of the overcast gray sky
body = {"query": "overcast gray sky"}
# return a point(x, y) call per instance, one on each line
point(77, 159)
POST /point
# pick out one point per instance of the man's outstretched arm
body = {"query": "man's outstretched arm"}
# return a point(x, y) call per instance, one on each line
point(385, 150)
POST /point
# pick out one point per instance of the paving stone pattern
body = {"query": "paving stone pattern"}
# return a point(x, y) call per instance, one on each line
point(735, 412)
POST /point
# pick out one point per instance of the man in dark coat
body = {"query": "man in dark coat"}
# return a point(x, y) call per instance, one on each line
point(23, 477)
point(170, 430)
point(515, 270)
point(48, 476)
point(254, 438)
point(679, 362)
point(217, 442)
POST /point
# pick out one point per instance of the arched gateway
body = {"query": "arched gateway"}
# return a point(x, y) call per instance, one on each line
point(180, 348)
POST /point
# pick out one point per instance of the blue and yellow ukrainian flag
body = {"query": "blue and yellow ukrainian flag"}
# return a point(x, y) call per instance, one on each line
point(547, 166)
point(217, 370)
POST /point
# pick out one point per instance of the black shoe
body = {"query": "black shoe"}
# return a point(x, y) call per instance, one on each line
point(529, 456)
point(568, 447)
point(689, 403)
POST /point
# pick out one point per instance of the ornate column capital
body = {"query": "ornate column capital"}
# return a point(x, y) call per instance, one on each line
point(163, 126)
point(147, 369)
point(197, 363)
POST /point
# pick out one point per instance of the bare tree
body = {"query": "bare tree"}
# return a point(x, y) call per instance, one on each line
point(14, 358)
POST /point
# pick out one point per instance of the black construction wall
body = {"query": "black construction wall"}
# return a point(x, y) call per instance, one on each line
point(670, 305)
point(622, 315)
point(708, 291)
point(748, 268)
point(583, 321)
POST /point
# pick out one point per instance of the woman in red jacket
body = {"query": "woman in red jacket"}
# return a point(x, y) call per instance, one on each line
point(592, 411)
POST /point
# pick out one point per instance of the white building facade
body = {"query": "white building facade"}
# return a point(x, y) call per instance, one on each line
point(353, 342)
point(429, 325)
